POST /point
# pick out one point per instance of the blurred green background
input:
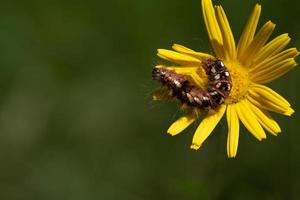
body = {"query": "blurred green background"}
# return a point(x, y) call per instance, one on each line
point(76, 116)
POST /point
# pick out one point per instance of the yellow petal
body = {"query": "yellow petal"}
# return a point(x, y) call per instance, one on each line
point(249, 120)
point(184, 50)
point(271, 107)
point(271, 61)
point(233, 131)
point(265, 119)
point(257, 43)
point(197, 80)
point(186, 70)
point(264, 92)
point(272, 72)
point(228, 39)
point(206, 127)
point(249, 31)
point(272, 48)
point(162, 94)
point(212, 27)
point(265, 98)
point(178, 58)
point(182, 123)
point(218, 49)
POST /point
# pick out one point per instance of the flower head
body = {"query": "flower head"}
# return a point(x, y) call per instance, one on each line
point(252, 62)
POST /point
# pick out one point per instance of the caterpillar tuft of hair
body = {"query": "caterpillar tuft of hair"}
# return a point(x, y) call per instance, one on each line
point(209, 97)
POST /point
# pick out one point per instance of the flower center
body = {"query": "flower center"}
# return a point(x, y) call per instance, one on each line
point(240, 82)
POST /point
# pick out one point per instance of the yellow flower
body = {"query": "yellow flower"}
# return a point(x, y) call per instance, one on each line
point(252, 62)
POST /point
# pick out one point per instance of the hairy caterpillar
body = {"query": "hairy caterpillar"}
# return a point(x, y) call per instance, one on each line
point(210, 97)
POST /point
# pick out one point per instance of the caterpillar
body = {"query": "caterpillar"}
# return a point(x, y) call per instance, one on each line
point(210, 97)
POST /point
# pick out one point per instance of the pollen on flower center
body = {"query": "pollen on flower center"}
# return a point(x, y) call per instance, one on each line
point(240, 82)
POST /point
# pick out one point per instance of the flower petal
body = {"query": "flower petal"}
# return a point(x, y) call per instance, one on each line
point(197, 80)
point(249, 31)
point(249, 120)
point(272, 48)
point(218, 49)
point(186, 70)
point(271, 61)
point(271, 107)
point(233, 131)
point(178, 58)
point(257, 43)
point(182, 123)
point(212, 27)
point(265, 98)
point(206, 127)
point(184, 50)
point(265, 119)
point(272, 72)
point(228, 39)
point(267, 93)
